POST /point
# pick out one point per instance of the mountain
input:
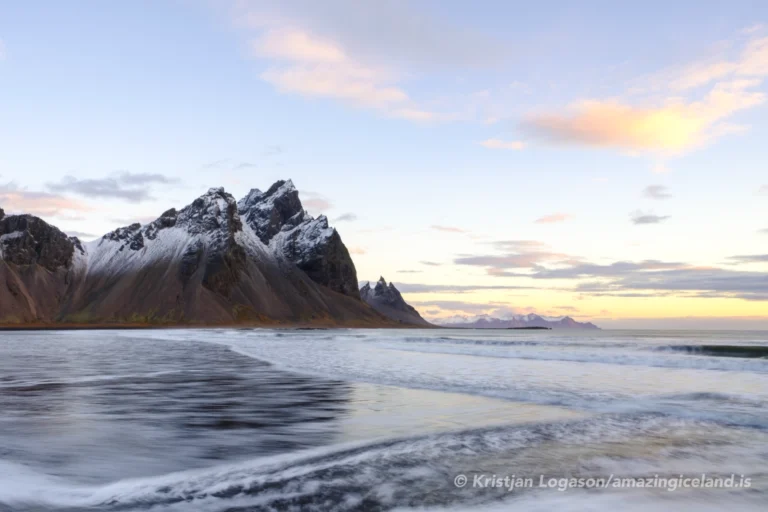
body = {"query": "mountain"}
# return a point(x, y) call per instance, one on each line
point(386, 299)
point(263, 259)
point(530, 320)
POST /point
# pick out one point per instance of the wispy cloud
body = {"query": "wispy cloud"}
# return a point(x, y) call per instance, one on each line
point(431, 263)
point(516, 255)
point(450, 288)
point(553, 218)
point(656, 192)
point(314, 202)
point(464, 307)
point(129, 178)
point(345, 217)
point(357, 250)
point(763, 191)
point(360, 53)
point(314, 66)
point(654, 278)
point(673, 124)
point(273, 150)
point(749, 258)
point(515, 145)
point(409, 271)
point(131, 187)
point(640, 218)
point(229, 164)
point(448, 229)
point(127, 221)
point(15, 199)
point(81, 234)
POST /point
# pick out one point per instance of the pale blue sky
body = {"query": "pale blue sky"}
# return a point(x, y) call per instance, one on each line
point(381, 110)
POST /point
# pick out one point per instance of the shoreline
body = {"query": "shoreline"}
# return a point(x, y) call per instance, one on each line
point(131, 327)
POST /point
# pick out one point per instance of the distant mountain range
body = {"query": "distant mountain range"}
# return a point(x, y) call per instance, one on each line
point(260, 260)
point(517, 321)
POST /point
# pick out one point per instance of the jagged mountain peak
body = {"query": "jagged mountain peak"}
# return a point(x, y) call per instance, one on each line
point(214, 210)
point(387, 300)
point(29, 240)
point(267, 213)
point(213, 213)
point(278, 189)
point(385, 290)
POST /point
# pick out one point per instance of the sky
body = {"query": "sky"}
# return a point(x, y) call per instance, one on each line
point(603, 160)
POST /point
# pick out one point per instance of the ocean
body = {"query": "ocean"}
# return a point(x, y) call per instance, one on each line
point(284, 419)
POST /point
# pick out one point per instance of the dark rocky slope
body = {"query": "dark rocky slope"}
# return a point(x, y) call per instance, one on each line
point(386, 299)
point(216, 261)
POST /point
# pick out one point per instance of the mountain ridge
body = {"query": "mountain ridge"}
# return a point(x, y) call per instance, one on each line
point(217, 261)
point(516, 321)
point(387, 300)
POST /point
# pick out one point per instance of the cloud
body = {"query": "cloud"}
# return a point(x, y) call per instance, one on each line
point(311, 53)
point(647, 218)
point(311, 66)
point(519, 245)
point(431, 263)
point(272, 150)
point(314, 202)
point(144, 178)
point(616, 269)
point(394, 33)
point(553, 218)
point(501, 144)
point(244, 165)
point(673, 127)
point(470, 308)
point(345, 217)
point(653, 278)
point(20, 200)
point(215, 164)
point(80, 234)
point(656, 192)
point(673, 124)
point(226, 163)
point(752, 258)
point(705, 282)
point(409, 271)
point(127, 186)
point(357, 250)
point(763, 190)
point(518, 254)
point(763, 231)
point(317, 204)
point(448, 229)
point(452, 288)
point(127, 221)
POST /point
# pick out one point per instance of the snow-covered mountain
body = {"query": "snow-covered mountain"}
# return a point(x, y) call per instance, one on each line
point(386, 299)
point(529, 320)
point(262, 259)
